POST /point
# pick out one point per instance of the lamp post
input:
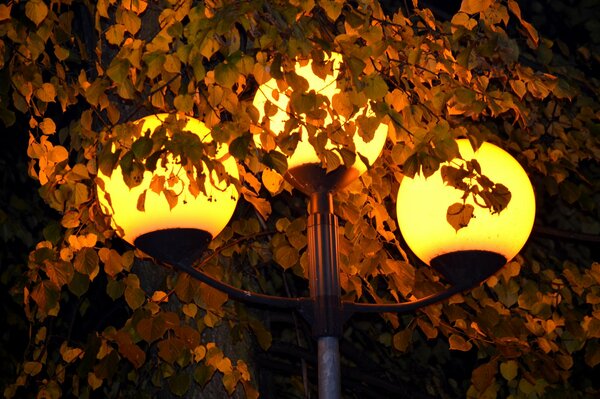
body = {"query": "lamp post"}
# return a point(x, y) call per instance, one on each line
point(463, 259)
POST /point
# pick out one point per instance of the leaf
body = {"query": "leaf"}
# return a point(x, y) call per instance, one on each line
point(87, 262)
point(46, 92)
point(46, 295)
point(375, 87)
point(36, 11)
point(509, 369)
point(184, 103)
point(5, 11)
point(263, 336)
point(262, 206)
point(286, 256)
point(47, 126)
point(180, 383)
point(58, 154)
point(459, 215)
point(151, 329)
point(134, 295)
point(513, 6)
point(483, 375)
point(226, 74)
point(115, 289)
point(69, 354)
point(457, 342)
point(141, 202)
point(171, 197)
point(171, 349)
point(142, 147)
point(32, 368)
point(272, 180)
point(112, 261)
point(402, 340)
point(60, 273)
point(332, 8)
point(475, 6)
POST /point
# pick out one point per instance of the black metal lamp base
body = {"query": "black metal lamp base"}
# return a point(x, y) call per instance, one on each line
point(468, 268)
point(313, 178)
point(174, 245)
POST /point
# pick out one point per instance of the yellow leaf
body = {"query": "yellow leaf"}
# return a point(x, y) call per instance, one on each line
point(509, 369)
point(5, 11)
point(94, 381)
point(115, 34)
point(32, 368)
point(199, 353)
point(224, 365)
point(46, 92)
point(272, 180)
point(36, 11)
point(137, 6)
point(172, 63)
point(131, 21)
point(458, 343)
point(160, 296)
point(332, 8)
point(47, 126)
point(475, 6)
point(513, 6)
point(69, 354)
point(58, 154)
point(190, 309)
point(171, 197)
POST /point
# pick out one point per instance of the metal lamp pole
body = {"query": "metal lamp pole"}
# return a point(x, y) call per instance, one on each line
point(325, 291)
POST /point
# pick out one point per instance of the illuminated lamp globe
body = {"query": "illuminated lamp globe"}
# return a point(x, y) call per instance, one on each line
point(304, 166)
point(183, 232)
point(473, 253)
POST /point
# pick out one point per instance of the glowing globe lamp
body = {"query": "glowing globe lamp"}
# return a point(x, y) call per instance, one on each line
point(180, 232)
point(304, 166)
point(470, 254)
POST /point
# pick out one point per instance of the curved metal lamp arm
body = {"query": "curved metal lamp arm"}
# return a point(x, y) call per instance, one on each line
point(352, 307)
point(239, 294)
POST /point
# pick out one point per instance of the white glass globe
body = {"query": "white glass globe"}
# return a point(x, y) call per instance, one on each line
point(423, 202)
point(305, 152)
point(209, 213)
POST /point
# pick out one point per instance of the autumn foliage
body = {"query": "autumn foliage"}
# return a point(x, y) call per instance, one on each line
point(77, 73)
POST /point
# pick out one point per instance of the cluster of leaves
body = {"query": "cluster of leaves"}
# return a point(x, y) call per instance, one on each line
point(79, 72)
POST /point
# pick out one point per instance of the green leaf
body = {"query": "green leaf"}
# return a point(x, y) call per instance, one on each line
point(115, 289)
point(142, 147)
point(184, 103)
point(180, 383)
point(134, 295)
point(226, 74)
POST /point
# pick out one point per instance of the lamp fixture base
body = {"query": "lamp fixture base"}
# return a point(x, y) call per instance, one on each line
point(174, 245)
point(468, 268)
point(313, 178)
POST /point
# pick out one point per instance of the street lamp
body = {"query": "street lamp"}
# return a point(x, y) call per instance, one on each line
point(324, 309)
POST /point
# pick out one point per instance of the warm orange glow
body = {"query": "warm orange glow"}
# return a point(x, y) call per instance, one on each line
point(305, 152)
point(190, 212)
point(422, 205)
